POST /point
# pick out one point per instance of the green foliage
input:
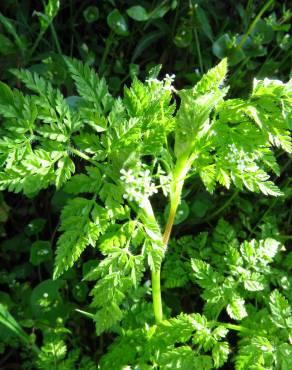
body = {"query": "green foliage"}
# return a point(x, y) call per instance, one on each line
point(117, 23)
point(228, 273)
point(113, 161)
point(54, 354)
point(217, 149)
point(236, 274)
point(7, 321)
point(40, 252)
point(118, 274)
point(269, 346)
point(162, 345)
point(89, 86)
point(201, 99)
point(79, 212)
point(281, 311)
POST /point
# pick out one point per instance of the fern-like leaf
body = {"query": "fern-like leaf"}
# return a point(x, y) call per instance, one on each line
point(79, 231)
point(89, 85)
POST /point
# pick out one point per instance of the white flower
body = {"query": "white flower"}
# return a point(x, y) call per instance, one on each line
point(137, 185)
point(162, 85)
point(233, 148)
point(169, 78)
point(150, 190)
point(127, 176)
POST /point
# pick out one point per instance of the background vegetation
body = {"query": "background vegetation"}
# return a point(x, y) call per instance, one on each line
point(121, 40)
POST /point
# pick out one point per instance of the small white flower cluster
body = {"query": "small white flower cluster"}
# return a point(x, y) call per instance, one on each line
point(239, 157)
point(165, 84)
point(168, 81)
point(137, 185)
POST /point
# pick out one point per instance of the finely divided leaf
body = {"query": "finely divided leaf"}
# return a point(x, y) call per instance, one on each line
point(195, 108)
point(236, 309)
point(79, 231)
point(89, 85)
point(281, 310)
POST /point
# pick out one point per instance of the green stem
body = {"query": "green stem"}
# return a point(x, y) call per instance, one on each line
point(85, 313)
point(180, 171)
point(108, 43)
point(179, 175)
point(26, 339)
point(272, 205)
point(36, 44)
point(169, 223)
point(215, 213)
point(55, 37)
point(146, 213)
point(83, 156)
point(155, 275)
point(283, 237)
point(253, 24)
point(156, 296)
point(193, 10)
point(39, 38)
point(225, 205)
point(233, 327)
point(199, 50)
point(175, 19)
point(266, 60)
